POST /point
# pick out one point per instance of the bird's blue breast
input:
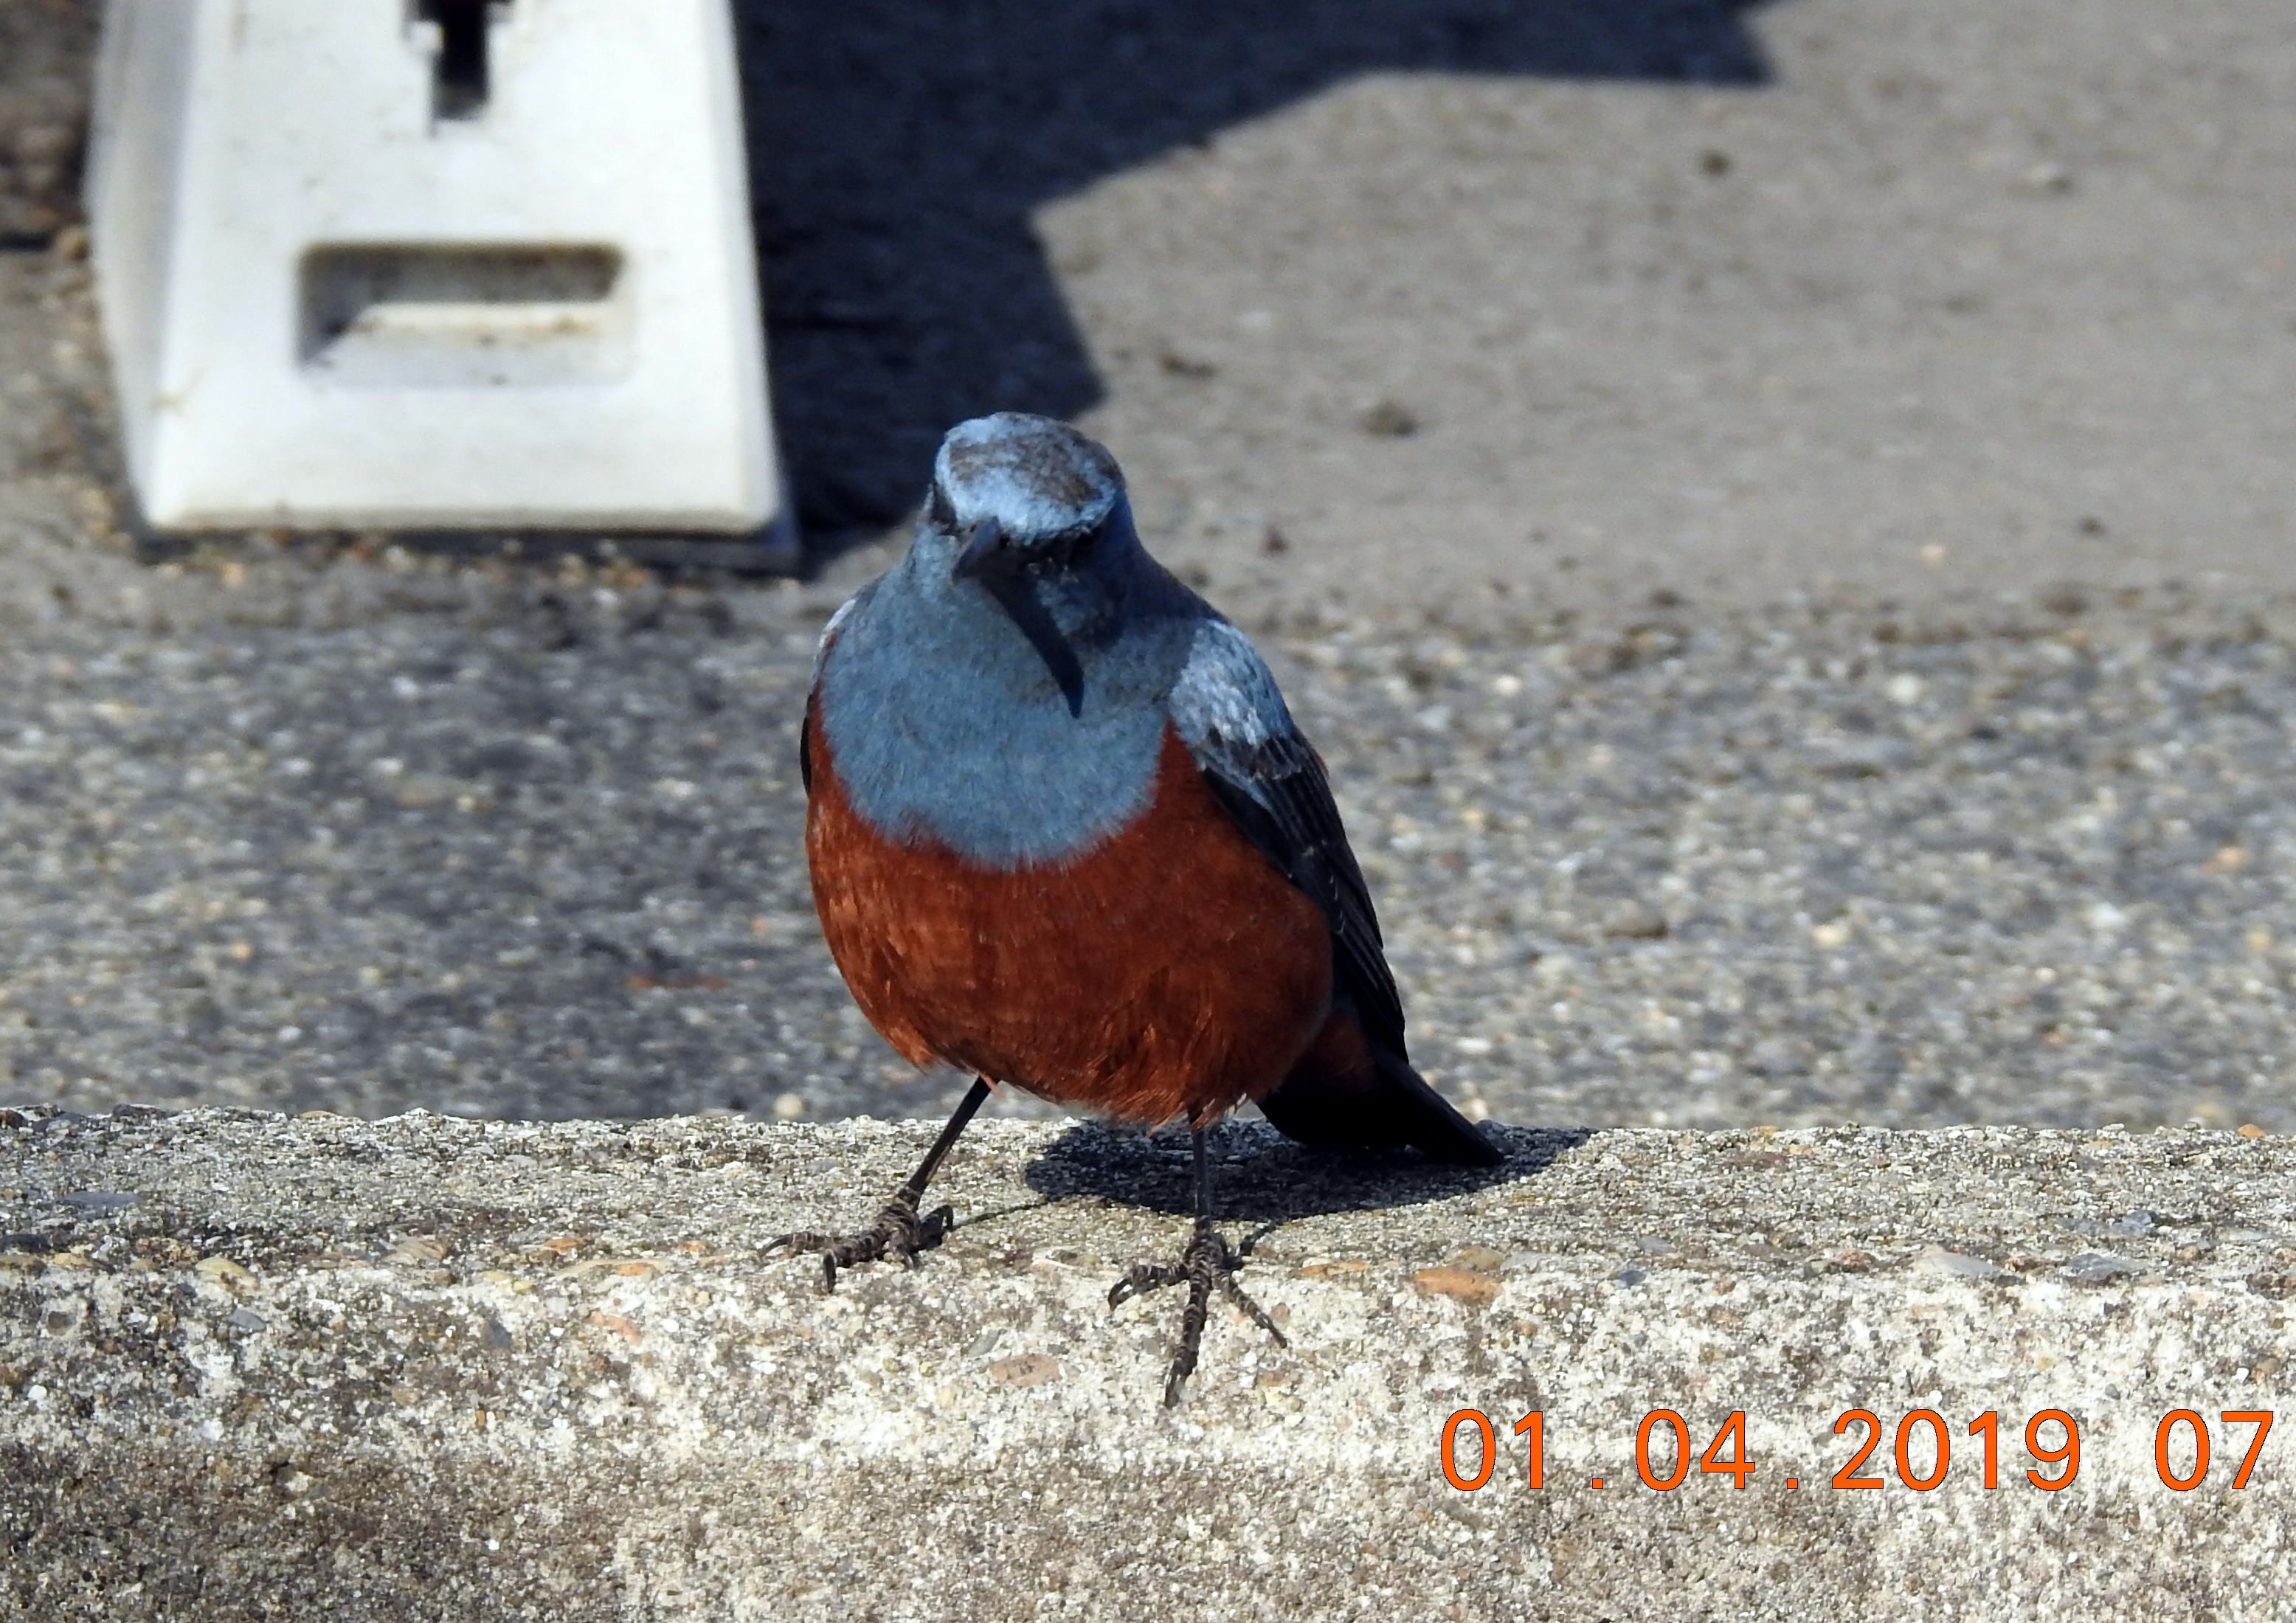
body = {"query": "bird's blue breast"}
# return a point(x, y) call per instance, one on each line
point(943, 722)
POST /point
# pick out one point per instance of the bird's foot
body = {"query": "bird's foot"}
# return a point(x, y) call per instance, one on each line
point(1209, 1263)
point(898, 1233)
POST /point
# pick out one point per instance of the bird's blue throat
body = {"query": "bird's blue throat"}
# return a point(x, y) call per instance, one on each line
point(1019, 734)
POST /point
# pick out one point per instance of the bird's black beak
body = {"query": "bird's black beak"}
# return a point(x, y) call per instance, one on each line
point(982, 543)
point(985, 557)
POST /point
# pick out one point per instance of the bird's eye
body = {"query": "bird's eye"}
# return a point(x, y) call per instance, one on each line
point(1076, 548)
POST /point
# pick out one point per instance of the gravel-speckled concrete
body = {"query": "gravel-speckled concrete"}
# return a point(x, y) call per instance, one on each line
point(1422, 331)
point(506, 848)
point(427, 1368)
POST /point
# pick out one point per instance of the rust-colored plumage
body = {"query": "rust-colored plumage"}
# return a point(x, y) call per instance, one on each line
point(1110, 981)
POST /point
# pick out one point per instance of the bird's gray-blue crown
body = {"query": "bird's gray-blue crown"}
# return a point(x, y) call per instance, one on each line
point(1021, 494)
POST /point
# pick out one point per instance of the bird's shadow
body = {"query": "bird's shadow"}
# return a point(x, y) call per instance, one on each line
point(1262, 1177)
point(900, 149)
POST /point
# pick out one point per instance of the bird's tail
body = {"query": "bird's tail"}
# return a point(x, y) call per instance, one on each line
point(1346, 1093)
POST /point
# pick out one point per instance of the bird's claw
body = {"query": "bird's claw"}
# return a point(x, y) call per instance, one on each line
point(898, 1233)
point(1209, 1263)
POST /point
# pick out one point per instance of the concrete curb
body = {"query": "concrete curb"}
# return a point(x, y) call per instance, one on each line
point(426, 1367)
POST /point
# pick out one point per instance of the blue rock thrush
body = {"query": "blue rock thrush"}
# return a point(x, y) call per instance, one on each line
point(1063, 834)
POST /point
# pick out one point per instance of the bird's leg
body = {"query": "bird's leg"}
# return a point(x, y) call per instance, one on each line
point(1208, 1262)
point(899, 1232)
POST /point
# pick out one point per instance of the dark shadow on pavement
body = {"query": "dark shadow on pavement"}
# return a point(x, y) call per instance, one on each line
point(899, 148)
point(1261, 1176)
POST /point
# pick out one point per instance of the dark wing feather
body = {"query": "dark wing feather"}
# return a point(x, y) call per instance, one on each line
point(1242, 738)
point(1279, 794)
point(813, 695)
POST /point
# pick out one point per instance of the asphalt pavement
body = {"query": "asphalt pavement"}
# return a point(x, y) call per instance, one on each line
point(1780, 521)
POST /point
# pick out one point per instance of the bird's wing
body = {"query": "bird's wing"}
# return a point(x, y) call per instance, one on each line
point(820, 658)
point(1228, 709)
point(837, 623)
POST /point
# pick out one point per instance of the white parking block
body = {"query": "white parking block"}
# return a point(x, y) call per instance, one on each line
point(418, 264)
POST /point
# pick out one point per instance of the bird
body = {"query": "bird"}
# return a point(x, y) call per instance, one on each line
point(1063, 834)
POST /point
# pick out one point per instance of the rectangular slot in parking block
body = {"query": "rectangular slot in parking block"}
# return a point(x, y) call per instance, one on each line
point(464, 315)
point(462, 75)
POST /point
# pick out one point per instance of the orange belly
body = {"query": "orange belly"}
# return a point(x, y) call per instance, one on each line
point(1171, 970)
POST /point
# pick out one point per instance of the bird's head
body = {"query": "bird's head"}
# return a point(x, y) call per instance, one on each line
point(1020, 498)
point(1028, 514)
